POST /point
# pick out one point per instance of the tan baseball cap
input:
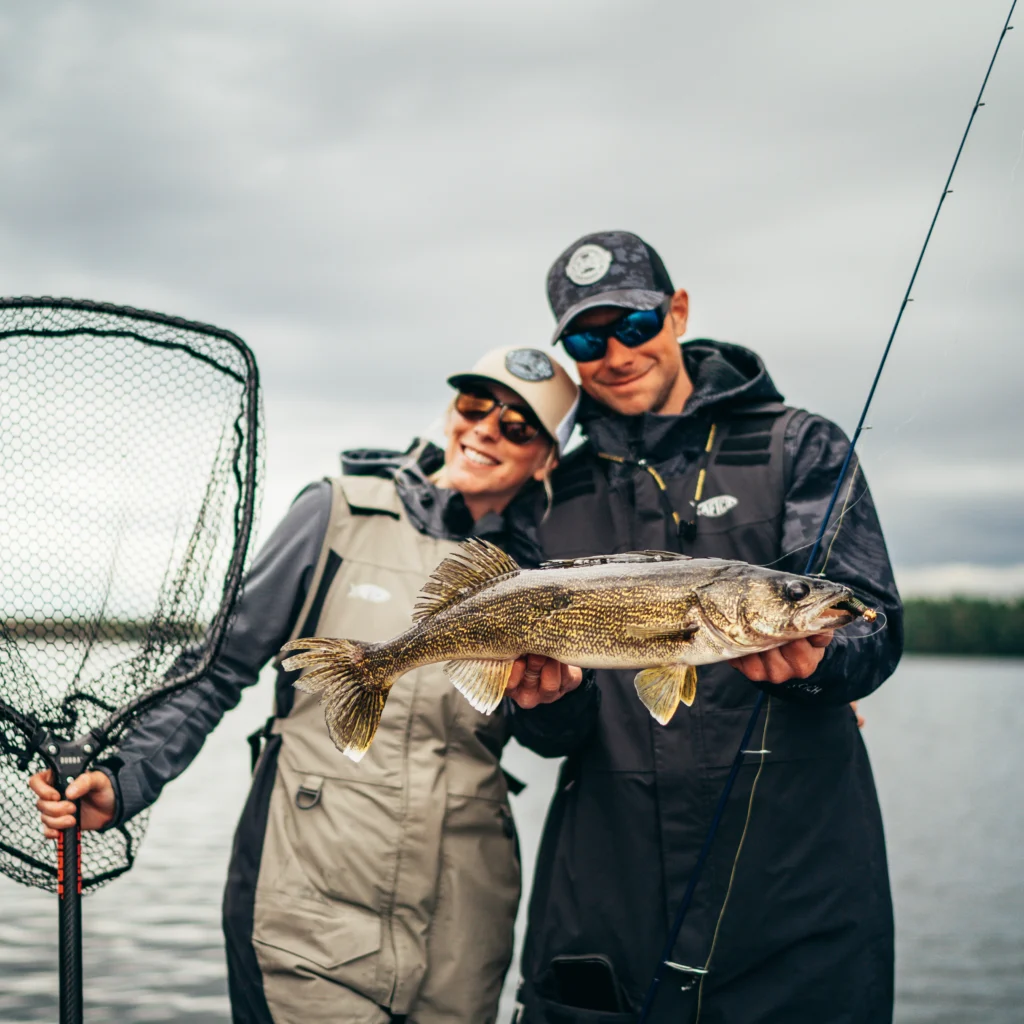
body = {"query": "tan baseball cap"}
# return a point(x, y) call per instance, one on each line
point(540, 381)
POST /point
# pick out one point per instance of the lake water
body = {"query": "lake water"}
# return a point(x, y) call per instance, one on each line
point(945, 738)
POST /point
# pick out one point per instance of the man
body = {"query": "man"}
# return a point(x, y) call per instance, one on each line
point(691, 449)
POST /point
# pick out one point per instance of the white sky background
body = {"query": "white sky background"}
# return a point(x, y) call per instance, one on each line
point(370, 193)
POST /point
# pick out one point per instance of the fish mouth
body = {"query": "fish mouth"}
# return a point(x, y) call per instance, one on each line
point(845, 610)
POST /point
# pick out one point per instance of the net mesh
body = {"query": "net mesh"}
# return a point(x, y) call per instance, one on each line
point(129, 458)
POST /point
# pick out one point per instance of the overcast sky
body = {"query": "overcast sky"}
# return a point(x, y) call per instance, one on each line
point(370, 193)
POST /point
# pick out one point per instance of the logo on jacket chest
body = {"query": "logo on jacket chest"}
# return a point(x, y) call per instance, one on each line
point(717, 506)
point(369, 592)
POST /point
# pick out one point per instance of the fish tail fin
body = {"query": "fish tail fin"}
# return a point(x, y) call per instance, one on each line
point(351, 686)
point(663, 687)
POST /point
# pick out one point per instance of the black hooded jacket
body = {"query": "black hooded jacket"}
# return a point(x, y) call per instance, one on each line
point(806, 935)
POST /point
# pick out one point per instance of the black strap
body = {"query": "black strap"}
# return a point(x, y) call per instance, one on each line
point(686, 529)
point(255, 740)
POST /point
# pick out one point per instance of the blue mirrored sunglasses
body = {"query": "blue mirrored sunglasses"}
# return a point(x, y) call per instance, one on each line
point(631, 330)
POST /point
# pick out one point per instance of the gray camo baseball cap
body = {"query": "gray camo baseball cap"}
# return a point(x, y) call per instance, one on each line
point(606, 268)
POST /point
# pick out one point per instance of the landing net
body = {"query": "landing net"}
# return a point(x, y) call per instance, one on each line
point(129, 464)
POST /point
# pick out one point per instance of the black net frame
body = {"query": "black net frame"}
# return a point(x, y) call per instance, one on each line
point(75, 727)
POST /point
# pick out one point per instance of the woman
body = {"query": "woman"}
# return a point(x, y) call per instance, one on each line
point(384, 890)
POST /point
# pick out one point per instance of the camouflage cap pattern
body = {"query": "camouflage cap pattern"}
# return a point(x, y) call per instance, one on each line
point(607, 268)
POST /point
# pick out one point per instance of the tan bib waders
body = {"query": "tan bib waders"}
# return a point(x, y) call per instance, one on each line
point(394, 882)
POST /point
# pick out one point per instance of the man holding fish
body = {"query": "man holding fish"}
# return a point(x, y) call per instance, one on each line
point(690, 448)
point(691, 455)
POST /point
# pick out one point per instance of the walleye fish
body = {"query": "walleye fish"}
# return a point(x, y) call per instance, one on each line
point(657, 611)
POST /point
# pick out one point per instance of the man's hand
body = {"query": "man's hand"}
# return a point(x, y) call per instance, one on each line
point(795, 660)
point(94, 789)
point(539, 680)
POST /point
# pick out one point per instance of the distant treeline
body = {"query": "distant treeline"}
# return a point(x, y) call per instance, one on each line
point(964, 625)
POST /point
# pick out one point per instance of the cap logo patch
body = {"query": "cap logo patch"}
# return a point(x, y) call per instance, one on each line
point(588, 264)
point(529, 364)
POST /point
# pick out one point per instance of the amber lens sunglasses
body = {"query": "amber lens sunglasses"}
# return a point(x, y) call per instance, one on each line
point(516, 422)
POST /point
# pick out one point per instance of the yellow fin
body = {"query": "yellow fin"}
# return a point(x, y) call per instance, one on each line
point(662, 688)
point(476, 563)
point(481, 681)
point(688, 691)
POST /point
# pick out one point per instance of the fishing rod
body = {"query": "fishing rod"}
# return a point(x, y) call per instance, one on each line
point(665, 963)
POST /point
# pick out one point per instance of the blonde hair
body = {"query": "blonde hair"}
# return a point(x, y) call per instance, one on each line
point(545, 480)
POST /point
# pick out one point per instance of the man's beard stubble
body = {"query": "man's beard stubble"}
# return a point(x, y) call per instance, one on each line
point(662, 397)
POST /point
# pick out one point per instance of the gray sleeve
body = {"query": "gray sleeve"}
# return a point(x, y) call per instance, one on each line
point(163, 743)
point(862, 655)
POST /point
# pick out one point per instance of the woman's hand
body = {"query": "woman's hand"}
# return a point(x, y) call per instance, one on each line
point(94, 789)
point(539, 680)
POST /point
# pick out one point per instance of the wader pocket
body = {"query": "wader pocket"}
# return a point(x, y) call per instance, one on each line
point(336, 938)
point(343, 835)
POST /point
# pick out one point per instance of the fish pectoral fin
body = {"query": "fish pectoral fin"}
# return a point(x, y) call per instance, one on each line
point(665, 632)
point(481, 681)
point(662, 688)
point(688, 691)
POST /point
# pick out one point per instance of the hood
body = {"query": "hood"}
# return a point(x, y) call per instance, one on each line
point(722, 374)
point(441, 512)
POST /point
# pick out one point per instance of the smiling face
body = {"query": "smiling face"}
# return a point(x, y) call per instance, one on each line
point(483, 466)
point(648, 378)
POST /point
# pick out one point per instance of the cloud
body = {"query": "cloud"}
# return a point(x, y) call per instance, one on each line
point(371, 193)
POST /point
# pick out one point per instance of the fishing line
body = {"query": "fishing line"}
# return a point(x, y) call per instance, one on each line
point(803, 547)
point(732, 873)
point(882, 619)
point(839, 521)
point(1013, 170)
point(665, 963)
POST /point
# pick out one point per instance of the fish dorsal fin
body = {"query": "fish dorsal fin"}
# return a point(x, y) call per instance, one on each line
point(626, 558)
point(474, 565)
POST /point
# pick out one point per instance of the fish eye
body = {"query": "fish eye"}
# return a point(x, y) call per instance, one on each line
point(796, 590)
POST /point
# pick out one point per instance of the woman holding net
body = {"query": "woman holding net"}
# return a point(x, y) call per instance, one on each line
point(383, 890)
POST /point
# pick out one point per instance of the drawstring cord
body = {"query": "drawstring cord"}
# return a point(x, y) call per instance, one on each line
point(686, 529)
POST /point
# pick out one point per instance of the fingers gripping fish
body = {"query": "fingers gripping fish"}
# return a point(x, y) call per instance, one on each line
point(660, 612)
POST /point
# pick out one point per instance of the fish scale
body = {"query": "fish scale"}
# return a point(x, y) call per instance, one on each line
point(659, 612)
